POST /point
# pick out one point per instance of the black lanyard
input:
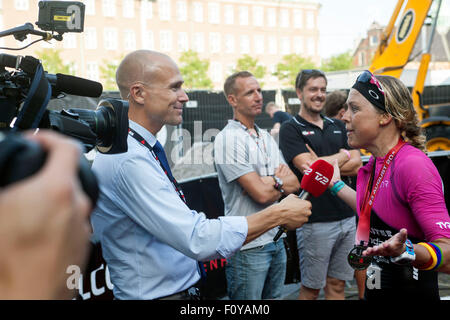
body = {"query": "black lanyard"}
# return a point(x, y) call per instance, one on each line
point(256, 141)
point(174, 182)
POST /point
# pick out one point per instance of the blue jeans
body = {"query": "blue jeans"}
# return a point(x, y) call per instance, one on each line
point(257, 273)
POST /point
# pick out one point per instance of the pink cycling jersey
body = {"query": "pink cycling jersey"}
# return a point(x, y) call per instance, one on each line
point(410, 196)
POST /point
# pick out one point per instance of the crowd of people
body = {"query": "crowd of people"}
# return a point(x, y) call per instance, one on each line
point(154, 243)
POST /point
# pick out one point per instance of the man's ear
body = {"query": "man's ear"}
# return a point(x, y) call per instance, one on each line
point(299, 93)
point(137, 93)
point(231, 100)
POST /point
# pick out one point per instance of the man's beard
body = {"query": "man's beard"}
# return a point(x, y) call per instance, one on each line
point(309, 109)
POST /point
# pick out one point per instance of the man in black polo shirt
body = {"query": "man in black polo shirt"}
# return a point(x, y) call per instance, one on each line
point(328, 237)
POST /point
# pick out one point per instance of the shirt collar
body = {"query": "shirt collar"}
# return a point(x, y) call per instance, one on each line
point(304, 122)
point(147, 135)
point(238, 124)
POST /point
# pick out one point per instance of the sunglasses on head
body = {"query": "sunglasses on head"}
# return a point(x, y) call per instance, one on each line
point(308, 71)
point(368, 77)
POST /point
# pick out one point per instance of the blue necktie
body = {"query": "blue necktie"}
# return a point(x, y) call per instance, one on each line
point(159, 151)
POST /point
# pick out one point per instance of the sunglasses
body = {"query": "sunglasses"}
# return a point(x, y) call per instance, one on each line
point(308, 71)
point(368, 77)
point(305, 73)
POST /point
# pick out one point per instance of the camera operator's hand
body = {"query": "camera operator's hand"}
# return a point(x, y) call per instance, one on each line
point(44, 225)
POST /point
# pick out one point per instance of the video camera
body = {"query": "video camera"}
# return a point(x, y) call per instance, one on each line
point(26, 90)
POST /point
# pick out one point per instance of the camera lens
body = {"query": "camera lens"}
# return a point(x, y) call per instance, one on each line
point(110, 124)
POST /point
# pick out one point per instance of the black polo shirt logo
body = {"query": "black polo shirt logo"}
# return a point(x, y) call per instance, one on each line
point(307, 133)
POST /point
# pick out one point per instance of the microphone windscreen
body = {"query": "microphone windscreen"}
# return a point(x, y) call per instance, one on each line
point(78, 86)
point(317, 177)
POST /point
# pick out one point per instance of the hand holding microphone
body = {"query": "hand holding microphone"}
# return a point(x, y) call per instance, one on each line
point(314, 182)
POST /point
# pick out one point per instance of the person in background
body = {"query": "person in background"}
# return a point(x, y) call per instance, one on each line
point(153, 243)
point(335, 104)
point(404, 226)
point(278, 117)
point(44, 225)
point(252, 176)
point(323, 242)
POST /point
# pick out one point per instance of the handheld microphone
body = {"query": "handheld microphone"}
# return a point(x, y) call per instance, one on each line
point(314, 182)
point(74, 85)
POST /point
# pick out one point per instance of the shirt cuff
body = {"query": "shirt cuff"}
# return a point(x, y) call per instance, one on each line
point(232, 235)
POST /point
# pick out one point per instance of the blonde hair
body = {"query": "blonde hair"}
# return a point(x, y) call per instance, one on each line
point(399, 105)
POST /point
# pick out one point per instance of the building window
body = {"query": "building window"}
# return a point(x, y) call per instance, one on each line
point(90, 38)
point(165, 40)
point(229, 14)
point(362, 59)
point(199, 42)
point(111, 39)
point(130, 40)
point(214, 42)
point(149, 40)
point(298, 45)
point(147, 8)
point(284, 18)
point(259, 44)
point(21, 4)
point(216, 71)
point(183, 42)
point(69, 41)
point(229, 69)
point(285, 45)
point(181, 11)
point(298, 19)
point(90, 7)
point(243, 16)
point(310, 20)
point(229, 43)
point(273, 45)
point(128, 8)
point(164, 10)
point(198, 12)
point(213, 13)
point(311, 47)
point(109, 8)
point(92, 71)
point(258, 16)
point(271, 17)
point(245, 44)
point(373, 40)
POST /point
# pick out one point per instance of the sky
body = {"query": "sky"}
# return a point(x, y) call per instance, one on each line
point(342, 22)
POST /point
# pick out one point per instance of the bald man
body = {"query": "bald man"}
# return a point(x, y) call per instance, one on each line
point(151, 241)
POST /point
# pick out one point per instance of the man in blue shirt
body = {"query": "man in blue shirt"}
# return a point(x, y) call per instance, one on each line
point(150, 239)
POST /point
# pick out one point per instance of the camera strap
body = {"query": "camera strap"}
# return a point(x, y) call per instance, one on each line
point(38, 95)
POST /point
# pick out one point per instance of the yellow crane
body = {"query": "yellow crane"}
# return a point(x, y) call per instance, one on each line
point(394, 52)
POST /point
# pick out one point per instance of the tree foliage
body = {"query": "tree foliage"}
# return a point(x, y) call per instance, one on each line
point(343, 61)
point(248, 63)
point(53, 63)
point(194, 71)
point(289, 67)
point(108, 73)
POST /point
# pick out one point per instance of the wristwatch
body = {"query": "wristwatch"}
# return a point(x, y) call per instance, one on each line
point(278, 183)
point(407, 257)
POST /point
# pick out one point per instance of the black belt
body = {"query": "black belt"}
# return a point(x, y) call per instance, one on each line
point(192, 293)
